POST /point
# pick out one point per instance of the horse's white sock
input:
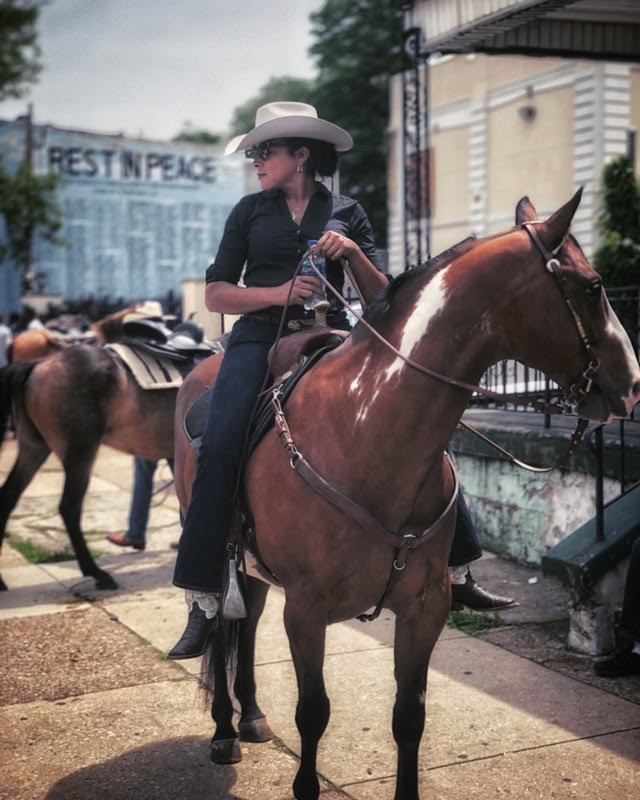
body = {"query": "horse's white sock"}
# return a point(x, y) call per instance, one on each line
point(458, 574)
point(206, 601)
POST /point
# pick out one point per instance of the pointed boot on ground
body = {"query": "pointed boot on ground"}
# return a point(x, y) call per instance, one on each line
point(193, 641)
point(471, 595)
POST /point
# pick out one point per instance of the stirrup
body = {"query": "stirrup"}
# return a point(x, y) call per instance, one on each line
point(233, 606)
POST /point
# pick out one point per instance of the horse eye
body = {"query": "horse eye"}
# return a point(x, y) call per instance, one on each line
point(594, 287)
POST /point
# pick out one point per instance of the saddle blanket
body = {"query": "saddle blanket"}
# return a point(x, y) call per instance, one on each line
point(150, 371)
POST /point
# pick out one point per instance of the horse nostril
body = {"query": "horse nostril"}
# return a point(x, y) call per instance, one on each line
point(635, 389)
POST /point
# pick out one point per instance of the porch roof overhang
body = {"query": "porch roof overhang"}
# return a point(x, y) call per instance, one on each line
point(590, 29)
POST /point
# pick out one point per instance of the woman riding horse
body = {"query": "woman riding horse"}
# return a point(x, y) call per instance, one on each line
point(290, 147)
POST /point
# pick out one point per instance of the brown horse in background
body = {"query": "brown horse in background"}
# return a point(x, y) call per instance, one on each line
point(70, 403)
point(376, 428)
point(32, 345)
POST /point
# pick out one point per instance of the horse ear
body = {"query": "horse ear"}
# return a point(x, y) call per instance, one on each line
point(553, 231)
point(525, 212)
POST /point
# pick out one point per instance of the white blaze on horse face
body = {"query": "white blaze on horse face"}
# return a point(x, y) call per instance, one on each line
point(615, 330)
point(429, 305)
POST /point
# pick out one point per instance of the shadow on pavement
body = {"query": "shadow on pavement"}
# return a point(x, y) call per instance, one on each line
point(175, 769)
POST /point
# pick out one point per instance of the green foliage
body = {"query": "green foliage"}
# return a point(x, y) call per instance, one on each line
point(36, 555)
point(358, 46)
point(618, 257)
point(472, 622)
point(19, 50)
point(299, 90)
point(197, 136)
point(29, 205)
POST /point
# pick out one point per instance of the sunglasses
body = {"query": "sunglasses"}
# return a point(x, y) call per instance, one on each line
point(262, 151)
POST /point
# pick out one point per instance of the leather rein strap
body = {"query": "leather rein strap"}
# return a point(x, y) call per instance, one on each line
point(406, 539)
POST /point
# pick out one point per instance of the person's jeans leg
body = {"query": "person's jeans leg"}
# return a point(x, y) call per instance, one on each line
point(144, 471)
point(202, 549)
point(466, 545)
point(630, 617)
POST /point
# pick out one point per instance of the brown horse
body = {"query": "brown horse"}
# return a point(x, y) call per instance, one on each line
point(70, 403)
point(364, 405)
point(32, 345)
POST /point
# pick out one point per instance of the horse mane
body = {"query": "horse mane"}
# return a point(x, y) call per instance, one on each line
point(110, 328)
point(382, 303)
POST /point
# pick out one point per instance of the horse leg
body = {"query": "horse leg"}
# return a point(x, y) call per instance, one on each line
point(28, 462)
point(77, 465)
point(253, 724)
point(253, 727)
point(415, 638)
point(306, 640)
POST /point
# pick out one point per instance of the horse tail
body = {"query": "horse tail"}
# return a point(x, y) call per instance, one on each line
point(12, 381)
point(220, 660)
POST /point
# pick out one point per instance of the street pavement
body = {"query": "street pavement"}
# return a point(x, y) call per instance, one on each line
point(91, 708)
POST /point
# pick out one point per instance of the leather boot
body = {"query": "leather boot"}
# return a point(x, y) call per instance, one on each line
point(193, 641)
point(473, 596)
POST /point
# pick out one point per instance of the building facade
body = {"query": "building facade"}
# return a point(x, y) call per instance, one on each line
point(498, 127)
point(140, 217)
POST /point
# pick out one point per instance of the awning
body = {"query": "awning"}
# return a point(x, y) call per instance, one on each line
point(590, 29)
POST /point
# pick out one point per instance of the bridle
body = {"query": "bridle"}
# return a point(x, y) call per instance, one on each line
point(581, 387)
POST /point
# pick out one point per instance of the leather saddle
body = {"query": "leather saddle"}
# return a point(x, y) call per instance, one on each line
point(184, 345)
point(289, 359)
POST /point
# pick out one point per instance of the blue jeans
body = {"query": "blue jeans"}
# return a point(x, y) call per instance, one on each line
point(143, 472)
point(202, 549)
point(465, 546)
point(630, 617)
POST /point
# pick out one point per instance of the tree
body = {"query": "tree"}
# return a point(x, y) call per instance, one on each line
point(196, 135)
point(19, 50)
point(358, 46)
point(28, 204)
point(284, 88)
point(618, 257)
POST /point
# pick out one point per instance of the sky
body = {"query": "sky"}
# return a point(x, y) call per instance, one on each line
point(145, 67)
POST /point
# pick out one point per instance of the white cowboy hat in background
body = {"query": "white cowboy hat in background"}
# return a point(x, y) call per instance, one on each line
point(286, 120)
point(150, 309)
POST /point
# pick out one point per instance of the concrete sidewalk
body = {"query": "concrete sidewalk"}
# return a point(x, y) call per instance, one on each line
point(90, 707)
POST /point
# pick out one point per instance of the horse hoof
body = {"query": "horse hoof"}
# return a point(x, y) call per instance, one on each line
point(105, 582)
point(3, 586)
point(256, 730)
point(225, 751)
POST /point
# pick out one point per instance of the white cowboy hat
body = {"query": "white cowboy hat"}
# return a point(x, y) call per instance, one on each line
point(285, 120)
point(150, 309)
